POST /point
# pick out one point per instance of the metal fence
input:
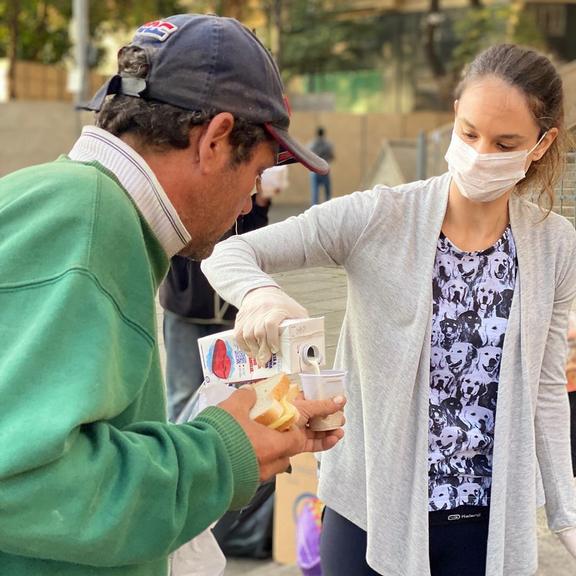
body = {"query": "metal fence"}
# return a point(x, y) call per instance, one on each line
point(565, 201)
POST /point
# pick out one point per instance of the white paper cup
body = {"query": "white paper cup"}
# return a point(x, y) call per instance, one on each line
point(327, 384)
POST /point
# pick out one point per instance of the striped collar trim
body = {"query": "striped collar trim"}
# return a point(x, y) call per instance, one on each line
point(136, 177)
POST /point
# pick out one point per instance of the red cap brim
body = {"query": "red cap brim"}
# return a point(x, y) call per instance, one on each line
point(292, 151)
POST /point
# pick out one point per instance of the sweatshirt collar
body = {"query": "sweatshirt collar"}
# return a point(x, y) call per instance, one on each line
point(136, 177)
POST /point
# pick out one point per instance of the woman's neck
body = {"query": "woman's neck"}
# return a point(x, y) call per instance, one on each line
point(474, 226)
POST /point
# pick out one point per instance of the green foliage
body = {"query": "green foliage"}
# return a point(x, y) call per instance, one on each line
point(360, 91)
point(239, 9)
point(117, 15)
point(44, 26)
point(316, 39)
point(480, 28)
point(128, 14)
point(42, 29)
point(4, 37)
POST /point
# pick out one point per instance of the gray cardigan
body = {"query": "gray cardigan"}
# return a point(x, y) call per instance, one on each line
point(385, 239)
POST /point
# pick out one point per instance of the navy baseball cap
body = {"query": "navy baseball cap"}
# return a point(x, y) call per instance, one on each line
point(205, 62)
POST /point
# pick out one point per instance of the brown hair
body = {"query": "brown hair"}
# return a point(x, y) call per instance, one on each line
point(161, 126)
point(537, 78)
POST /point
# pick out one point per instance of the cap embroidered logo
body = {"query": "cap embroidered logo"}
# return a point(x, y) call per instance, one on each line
point(158, 29)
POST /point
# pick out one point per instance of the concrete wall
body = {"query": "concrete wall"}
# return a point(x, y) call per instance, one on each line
point(34, 81)
point(34, 132)
point(568, 72)
point(357, 141)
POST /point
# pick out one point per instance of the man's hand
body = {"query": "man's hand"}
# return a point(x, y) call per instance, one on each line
point(257, 324)
point(273, 449)
point(568, 538)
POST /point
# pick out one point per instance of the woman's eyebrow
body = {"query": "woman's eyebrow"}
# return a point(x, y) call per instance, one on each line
point(499, 137)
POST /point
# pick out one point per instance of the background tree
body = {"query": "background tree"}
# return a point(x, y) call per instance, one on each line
point(33, 30)
point(479, 29)
point(317, 37)
point(443, 71)
point(39, 30)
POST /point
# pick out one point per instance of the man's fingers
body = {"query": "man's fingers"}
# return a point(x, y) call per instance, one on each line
point(274, 449)
point(306, 440)
point(243, 399)
point(311, 408)
point(300, 440)
point(320, 441)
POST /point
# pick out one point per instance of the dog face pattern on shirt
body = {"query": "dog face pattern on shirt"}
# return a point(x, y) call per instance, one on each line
point(472, 296)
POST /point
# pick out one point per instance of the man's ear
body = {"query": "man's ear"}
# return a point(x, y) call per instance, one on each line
point(214, 143)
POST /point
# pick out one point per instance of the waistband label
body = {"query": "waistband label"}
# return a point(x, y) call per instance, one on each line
point(460, 514)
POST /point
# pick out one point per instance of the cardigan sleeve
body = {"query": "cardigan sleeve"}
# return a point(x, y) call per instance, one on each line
point(324, 235)
point(552, 419)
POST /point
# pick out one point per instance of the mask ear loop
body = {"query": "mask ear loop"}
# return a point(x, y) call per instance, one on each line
point(537, 144)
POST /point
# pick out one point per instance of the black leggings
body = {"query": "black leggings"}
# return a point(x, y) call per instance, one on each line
point(455, 550)
point(572, 396)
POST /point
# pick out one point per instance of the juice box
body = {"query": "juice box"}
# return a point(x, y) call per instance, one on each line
point(300, 340)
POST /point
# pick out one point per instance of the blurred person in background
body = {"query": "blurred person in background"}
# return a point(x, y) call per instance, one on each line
point(322, 147)
point(454, 340)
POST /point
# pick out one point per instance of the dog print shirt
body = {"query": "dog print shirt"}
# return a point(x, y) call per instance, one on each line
point(472, 295)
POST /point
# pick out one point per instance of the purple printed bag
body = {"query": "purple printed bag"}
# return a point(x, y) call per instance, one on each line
point(307, 511)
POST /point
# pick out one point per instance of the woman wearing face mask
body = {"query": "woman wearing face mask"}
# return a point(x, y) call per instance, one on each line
point(454, 340)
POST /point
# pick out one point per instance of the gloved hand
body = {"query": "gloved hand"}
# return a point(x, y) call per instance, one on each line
point(259, 318)
point(568, 538)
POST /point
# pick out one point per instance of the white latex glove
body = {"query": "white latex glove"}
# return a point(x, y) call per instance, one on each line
point(257, 328)
point(568, 538)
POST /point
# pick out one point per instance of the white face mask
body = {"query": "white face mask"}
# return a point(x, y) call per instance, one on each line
point(485, 177)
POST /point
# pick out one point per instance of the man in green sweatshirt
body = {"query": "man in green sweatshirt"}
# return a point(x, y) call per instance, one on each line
point(93, 480)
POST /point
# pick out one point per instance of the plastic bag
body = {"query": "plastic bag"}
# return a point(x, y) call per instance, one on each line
point(210, 393)
point(307, 511)
point(201, 556)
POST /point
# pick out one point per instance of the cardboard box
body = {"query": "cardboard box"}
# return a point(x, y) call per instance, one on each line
point(223, 360)
point(289, 487)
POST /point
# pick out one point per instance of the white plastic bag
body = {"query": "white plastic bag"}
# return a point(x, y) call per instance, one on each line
point(210, 393)
point(201, 556)
point(274, 180)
